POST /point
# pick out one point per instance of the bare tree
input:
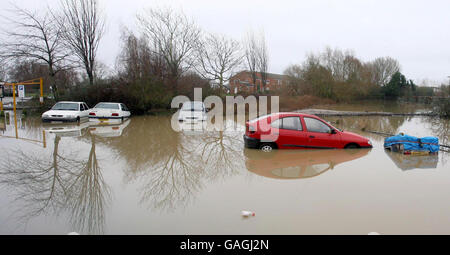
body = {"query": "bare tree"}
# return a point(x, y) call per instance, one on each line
point(173, 37)
point(263, 60)
point(83, 27)
point(218, 55)
point(37, 38)
point(342, 64)
point(129, 61)
point(137, 61)
point(251, 56)
point(257, 58)
point(2, 73)
point(296, 74)
point(382, 70)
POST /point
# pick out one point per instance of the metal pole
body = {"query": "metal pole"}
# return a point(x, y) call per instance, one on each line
point(43, 141)
point(14, 106)
point(41, 83)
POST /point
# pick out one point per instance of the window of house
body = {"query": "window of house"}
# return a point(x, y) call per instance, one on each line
point(279, 82)
point(314, 125)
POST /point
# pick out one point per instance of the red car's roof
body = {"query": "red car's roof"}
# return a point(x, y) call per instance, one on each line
point(293, 113)
point(284, 114)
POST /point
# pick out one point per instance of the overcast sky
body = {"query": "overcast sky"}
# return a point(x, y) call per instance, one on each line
point(416, 33)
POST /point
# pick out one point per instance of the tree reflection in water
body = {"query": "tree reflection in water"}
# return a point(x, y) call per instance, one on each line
point(57, 184)
point(222, 153)
point(171, 166)
point(383, 124)
point(87, 195)
point(440, 128)
point(175, 177)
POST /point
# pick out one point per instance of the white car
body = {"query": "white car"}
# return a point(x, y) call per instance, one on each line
point(66, 111)
point(106, 111)
point(192, 111)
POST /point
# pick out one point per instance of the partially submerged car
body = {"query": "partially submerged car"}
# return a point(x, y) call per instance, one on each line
point(66, 111)
point(107, 111)
point(293, 130)
point(192, 111)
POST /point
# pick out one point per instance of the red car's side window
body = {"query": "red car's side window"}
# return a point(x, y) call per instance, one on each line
point(314, 125)
point(291, 123)
point(276, 123)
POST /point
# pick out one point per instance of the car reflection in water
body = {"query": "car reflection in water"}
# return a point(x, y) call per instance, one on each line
point(193, 127)
point(287, 164)
point(108, 130)
point(410, 162)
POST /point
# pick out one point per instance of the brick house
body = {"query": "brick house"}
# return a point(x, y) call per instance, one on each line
point(243, 81)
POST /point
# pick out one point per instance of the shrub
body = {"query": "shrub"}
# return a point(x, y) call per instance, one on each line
point(442, 107)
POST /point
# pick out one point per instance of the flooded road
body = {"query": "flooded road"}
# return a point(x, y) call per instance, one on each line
point(141, 177)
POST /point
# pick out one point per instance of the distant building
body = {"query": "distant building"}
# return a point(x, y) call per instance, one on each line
point(216, 85)
point(243, 81)
point(436, 90)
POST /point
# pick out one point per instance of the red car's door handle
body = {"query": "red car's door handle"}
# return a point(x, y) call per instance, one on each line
point(311, 136)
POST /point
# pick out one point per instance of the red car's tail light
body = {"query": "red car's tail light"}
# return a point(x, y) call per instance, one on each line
point(115, 114)
point(92, 113)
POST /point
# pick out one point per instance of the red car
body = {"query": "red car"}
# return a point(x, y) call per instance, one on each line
point(299, 131)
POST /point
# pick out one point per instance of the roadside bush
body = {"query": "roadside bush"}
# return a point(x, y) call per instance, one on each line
point(442, 107)
point(442, 104)
point(140, 96)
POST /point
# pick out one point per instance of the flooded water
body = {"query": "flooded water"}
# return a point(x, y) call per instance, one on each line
point(378, 106)
point(141, 177)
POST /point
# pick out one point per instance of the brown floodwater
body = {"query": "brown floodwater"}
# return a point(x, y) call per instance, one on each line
point(141, 177)
point(378, 106)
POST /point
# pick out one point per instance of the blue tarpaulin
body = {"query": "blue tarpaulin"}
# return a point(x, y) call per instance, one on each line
point(412, 143)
